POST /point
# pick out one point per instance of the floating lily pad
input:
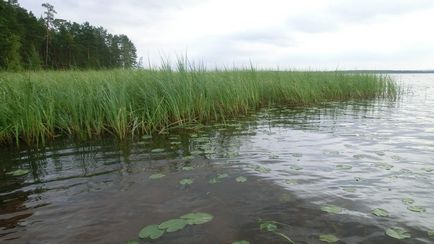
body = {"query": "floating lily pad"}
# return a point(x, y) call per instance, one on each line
point(296, 167)
point(186, 181)
point(330, 208)
point(297, 155)
point(396, 157)
point(19, 172)
point(384, 166)
point(428, 169)
point(188, 157)
point(214, 181)
point(417, 209)
point(349, 189)
point(173, 225)
point(241, 242)
point(222, 176)
point(268, 226)
point(329, 238)
point(156, 176)
point(241, 179)
point(187, 168)
point(407, 201)
point(151, 231)
point(290, 181)
point(430, 233)
point(261, 169)
point(398, 233)
point(344, 166)
point(380, 212)
point(157, 150)
point(197, 218)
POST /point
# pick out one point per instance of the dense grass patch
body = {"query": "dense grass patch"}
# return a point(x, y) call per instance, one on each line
point(37, 106)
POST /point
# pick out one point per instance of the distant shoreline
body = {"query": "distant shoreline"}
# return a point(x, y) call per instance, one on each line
point(391, 71)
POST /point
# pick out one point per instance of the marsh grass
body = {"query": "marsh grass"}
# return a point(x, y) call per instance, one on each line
point(37, 106)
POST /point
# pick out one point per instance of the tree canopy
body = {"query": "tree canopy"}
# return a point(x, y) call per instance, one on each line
point(27, 42)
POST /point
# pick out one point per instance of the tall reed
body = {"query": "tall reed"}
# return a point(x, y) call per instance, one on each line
point(37, 106)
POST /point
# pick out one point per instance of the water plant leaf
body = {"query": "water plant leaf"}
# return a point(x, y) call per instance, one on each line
point(290, 181)
point(147, 137)
point(19, 172)
point(398, 233)
point(197, 218)
point(261, 169)
point(188, 157)
point(430, 233)
point(380, 212)
point(157, 150)
point(151, 231)
point(173, 225)
point(268, 226)
point(156, 176)
point(186, 181)
point(349, 189)
point(329, 238)
point(213, 181)
point(407, 201)
point(344, 166)
point(384, 166)
point(187, 168)
point(241, 242)
point(222, 176)
point(417, 209)
point(330, 208)
point(296, 167)
point(241, 179)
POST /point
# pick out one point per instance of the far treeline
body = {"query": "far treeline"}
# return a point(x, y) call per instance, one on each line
point(30, 43)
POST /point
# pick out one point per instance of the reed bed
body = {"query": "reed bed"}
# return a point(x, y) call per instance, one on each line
point(36, 106)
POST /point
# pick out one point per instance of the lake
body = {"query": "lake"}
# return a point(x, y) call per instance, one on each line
point(352, 170)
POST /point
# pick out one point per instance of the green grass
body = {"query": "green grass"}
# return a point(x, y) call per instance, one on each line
point(36, 106)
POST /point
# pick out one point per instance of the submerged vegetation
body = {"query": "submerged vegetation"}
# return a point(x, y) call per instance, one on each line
point(35, 106)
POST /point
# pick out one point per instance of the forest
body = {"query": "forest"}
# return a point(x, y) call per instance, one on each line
point(28, 42)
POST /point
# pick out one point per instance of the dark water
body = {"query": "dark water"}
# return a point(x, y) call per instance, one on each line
point(100, 192)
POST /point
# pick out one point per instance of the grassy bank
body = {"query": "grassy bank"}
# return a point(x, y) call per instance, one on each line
point(38, 106)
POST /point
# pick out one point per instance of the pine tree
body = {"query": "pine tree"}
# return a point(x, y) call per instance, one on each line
point(13, 57)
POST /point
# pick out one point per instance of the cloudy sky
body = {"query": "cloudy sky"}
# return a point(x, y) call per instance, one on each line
point(308, 34)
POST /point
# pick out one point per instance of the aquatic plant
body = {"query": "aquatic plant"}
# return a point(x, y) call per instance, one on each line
point(36, 106)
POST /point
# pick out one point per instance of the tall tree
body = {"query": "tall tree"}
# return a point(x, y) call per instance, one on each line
point(49, 18)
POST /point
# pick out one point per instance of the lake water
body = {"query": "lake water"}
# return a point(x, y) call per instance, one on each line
point(358, 156)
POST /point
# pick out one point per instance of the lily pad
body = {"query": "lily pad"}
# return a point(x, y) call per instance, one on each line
point(188, 157)
point(417, 209)
point(430, 233)
point(222, 176)
point(187, 168)
point(261, 169)
point(241, 242)
point(330, 208)
point(380, 212)
point(344, 166)
point(268, 226)
point(407, 201)
point(296, 167)
point(197, 218)
point(157, 150)
point(329, 238)
point(398, 233)
point(384, 166)
point(349, 189)
point(186, 181)
point(173, 225)
point(156, 176)
point(290, 181)
point(151, 231)
point(241, 179)
point(19, 172)
point(214, 181)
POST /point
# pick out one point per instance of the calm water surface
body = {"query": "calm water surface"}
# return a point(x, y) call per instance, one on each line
point(357, 155)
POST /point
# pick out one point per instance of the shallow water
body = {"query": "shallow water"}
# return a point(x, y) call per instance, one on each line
point(357, 155)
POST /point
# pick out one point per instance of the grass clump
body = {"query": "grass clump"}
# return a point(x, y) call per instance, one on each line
point(41, 105)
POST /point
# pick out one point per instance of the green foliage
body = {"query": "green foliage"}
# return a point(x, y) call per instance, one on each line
point(380, 212)
point(173, 225)
point(330, 208)
point(186, 181)
point(241, 179)
point(19, 172)
point(329, 238)
point(86, 104)
point(151, 231)
point(197, 218)
point(398, 233)
point(156, 176)
point(25, 41)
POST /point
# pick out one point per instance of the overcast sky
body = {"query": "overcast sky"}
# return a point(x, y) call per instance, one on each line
point(307, 34)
